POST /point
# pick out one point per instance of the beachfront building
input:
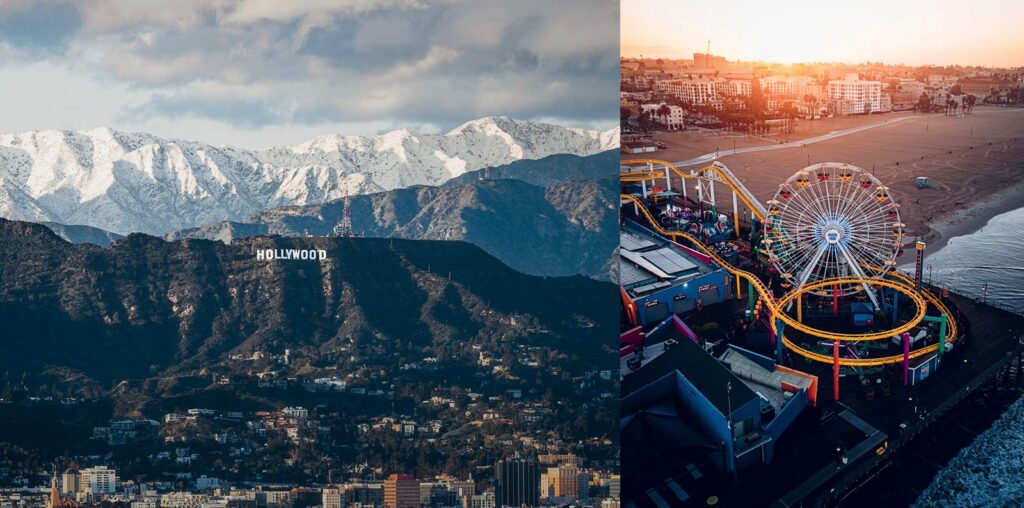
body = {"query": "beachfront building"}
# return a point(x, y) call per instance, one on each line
point(693, 91)
point(734, 88)
point(791, 86)
point(902, 101)
point(906, 85)
point(674, 118)
point(803, 93)
point(852, 96)
point(984, 86)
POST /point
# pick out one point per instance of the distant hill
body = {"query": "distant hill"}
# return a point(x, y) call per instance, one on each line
point(566, 228)
point(83, 234)
point(549, 170)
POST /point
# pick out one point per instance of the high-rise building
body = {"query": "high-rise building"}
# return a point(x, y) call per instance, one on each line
point(98, 480)
point(464, 488)
point(546, 489)
point(70, 482)
point(401, 491)
point(584, 479)
point(614, 485)
point(331, 497)
point(55, 500)
point(565, 481)
point(272, 498)
point(364, 494)
point(518, 483)
point(485, 500)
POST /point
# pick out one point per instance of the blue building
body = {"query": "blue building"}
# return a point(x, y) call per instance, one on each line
point(660, 278)
point(685, 411)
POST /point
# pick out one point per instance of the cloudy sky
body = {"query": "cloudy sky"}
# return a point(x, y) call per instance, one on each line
point(255, 73)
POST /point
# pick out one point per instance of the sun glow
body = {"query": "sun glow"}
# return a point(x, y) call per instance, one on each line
point(940, 32)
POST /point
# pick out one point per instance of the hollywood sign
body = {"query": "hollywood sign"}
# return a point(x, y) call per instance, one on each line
point(291, 254)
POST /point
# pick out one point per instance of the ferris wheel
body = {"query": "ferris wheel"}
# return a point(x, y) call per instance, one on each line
point(833, 220)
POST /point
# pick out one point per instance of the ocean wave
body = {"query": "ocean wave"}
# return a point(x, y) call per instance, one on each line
point(985, 264)
point(985, 473)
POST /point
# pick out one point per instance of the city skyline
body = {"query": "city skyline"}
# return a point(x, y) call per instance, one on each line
point(846, 36)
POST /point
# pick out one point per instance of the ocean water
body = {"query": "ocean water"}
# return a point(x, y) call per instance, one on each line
point(988, 263)
point(990, 471)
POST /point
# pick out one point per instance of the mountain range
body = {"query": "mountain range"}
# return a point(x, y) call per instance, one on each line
point(132, 182)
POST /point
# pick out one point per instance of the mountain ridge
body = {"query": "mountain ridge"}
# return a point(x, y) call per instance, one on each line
point(136, 182)
point(148, 307)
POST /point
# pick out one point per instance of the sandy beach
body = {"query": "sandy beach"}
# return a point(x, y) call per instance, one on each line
point(695, 141)
point(976, 160)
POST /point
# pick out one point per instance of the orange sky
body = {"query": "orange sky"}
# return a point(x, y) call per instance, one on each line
point(939, 32)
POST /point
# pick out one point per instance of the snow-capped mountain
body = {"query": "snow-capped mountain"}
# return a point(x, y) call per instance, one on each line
point(129, 182)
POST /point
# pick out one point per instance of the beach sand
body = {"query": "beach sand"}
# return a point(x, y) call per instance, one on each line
point(978, 160)
point(683, 145)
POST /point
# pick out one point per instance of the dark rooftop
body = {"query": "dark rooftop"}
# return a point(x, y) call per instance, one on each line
point(701, 369)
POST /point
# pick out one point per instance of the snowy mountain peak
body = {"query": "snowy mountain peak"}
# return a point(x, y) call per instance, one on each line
point(487, 123)
point(135, 182)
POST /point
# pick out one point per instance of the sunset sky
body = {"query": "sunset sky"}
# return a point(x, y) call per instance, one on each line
point(939, 32)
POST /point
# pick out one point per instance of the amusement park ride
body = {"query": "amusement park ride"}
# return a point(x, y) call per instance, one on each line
point(831, 233)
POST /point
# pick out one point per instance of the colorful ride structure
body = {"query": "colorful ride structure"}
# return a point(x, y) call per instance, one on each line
point(831, 231)
point(833, 221)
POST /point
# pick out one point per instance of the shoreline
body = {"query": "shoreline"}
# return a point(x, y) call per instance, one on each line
point(971, 220)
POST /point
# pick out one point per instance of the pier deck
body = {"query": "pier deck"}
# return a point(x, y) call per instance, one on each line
point(808, 469)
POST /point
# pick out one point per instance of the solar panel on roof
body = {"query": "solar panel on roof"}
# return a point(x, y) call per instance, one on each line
point(669, 261)
point(634, 243)
point(650, 287)
point(629, 274)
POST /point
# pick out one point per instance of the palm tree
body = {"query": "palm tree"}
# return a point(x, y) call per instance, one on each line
point(664, 112)
point(789, 113)
point(645, 121)
point(924, 102)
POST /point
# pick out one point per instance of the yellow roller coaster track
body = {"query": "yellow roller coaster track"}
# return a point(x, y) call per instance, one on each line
point(724, 177)
point(775, 307)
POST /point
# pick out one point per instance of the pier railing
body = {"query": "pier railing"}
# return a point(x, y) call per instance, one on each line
point(973, 295)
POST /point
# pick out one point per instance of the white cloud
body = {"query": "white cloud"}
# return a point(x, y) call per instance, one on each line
point(255, 66)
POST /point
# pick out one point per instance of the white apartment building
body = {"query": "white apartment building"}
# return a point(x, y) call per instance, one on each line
point(734, 88)
point(98, 480)
point(674, 120)
point(794, 87)
point(331, 497)
point(911, 86)
point(693, 91)
point(854, 96)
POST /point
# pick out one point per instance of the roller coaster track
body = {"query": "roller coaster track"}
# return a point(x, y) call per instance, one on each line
point(775, 307)
point(721, 171)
